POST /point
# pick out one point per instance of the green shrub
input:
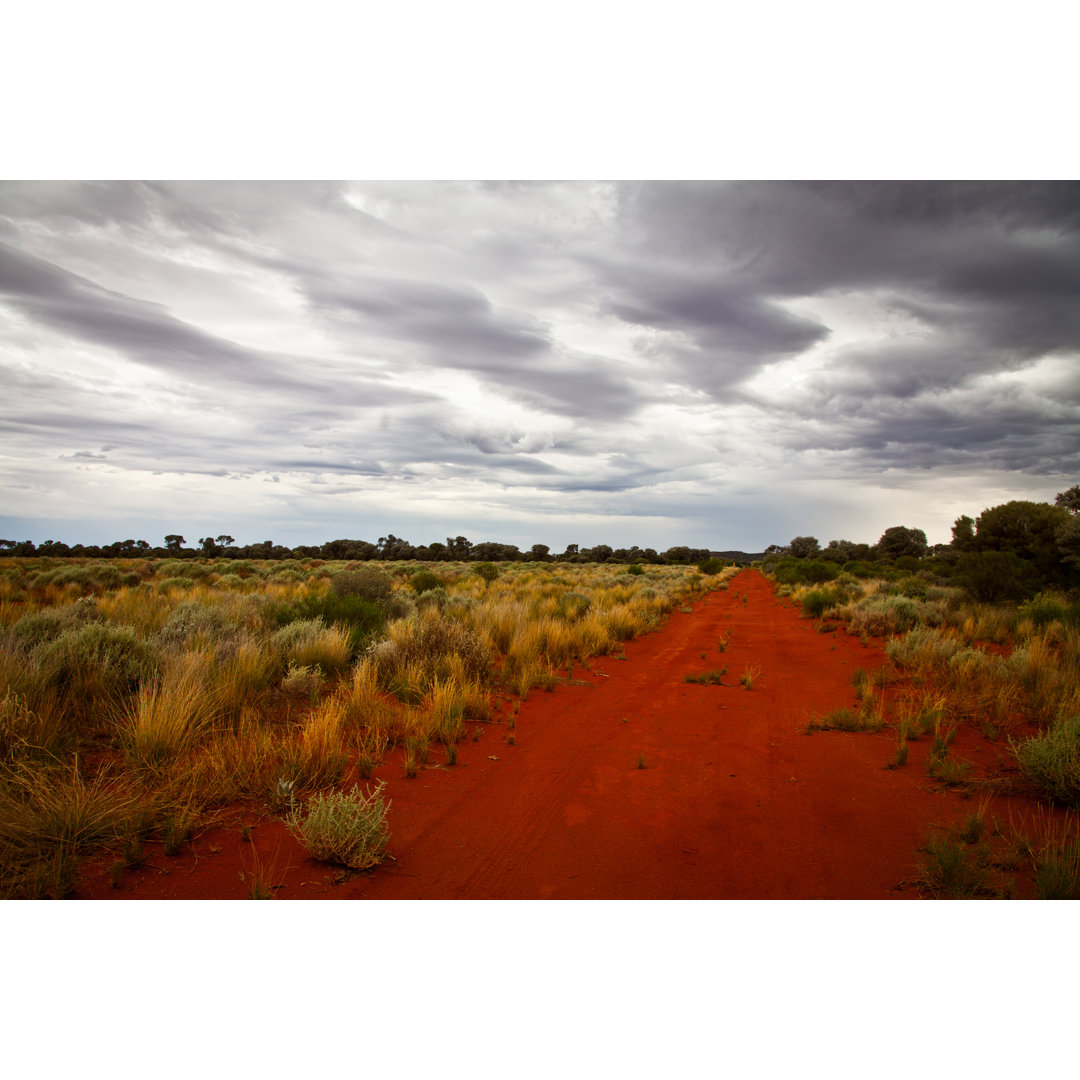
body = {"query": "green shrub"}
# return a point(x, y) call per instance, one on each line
point(817, 601)
point(1052, 760)
point(635, 569)
point(349, 829)
point(361, 617)
point(1047, 608)
point(711, 565)
point(95, 662)
point(791, 571)
point(47, 625)
point(423, 580)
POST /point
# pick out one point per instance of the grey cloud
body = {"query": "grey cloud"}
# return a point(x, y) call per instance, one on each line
point(144, 332)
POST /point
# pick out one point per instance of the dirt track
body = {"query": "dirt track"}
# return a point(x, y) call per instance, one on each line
point(734, 801)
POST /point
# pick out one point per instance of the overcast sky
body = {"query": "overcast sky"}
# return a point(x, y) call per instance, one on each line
point(724, 365)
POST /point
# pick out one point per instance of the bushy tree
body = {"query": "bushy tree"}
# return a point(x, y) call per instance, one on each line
point(804, 547)
point(1027, 530)
point(898, 541)
point(963, 533)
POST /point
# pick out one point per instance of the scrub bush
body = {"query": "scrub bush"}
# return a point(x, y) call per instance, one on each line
point(349, 829)
point(1052, 760)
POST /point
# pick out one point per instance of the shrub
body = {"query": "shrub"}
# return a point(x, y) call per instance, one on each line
point(1045, 609)
point(191, 618)
point(635, 569)
point(1052, 760)
point(368, 583)
point(349, 829)
point(47, 625)
point(488, 571)
point(431, 644)
point(710, 566)
point(95, 661)
point(791, 571)
point(817, 601)
point(308, 643)
point(884, 615)
point(362, 617)
point(423, 580)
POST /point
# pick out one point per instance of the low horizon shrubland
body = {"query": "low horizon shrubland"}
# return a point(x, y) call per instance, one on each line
point(196, 685)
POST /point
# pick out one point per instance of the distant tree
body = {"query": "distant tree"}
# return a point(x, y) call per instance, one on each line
point(174, 542)
point(459, 547)
point(680, 553)
point(357, 550)
point(209, 547)
point(600, 553)
point(54, 547)
point(490, 551)
point(804, 547)
point(570, 553)
point(898, 541)
point(1070, 499)
point(539, 552)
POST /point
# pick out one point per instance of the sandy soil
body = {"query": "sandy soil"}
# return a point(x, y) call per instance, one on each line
point(734, 799)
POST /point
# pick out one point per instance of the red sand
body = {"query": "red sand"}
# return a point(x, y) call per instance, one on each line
point(734, 801)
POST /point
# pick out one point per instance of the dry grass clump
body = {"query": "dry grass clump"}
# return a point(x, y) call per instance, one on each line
point(168, 715)
point(308, 643)
point(320, 759)
point(427, 646)
point(49, 813)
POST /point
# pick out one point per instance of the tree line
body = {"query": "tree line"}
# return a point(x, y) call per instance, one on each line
point(1009, 552)
point(390, 547)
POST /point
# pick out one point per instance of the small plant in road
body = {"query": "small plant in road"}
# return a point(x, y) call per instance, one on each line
point(751, 674)
point(713, 677)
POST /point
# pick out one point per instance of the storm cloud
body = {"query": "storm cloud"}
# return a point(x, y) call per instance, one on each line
point(717, 364)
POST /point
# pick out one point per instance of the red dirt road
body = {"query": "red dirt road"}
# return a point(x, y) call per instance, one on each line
point(734, 801)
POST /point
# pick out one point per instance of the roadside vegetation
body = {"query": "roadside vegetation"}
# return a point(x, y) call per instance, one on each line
point(983, 635)
point(139, 697)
